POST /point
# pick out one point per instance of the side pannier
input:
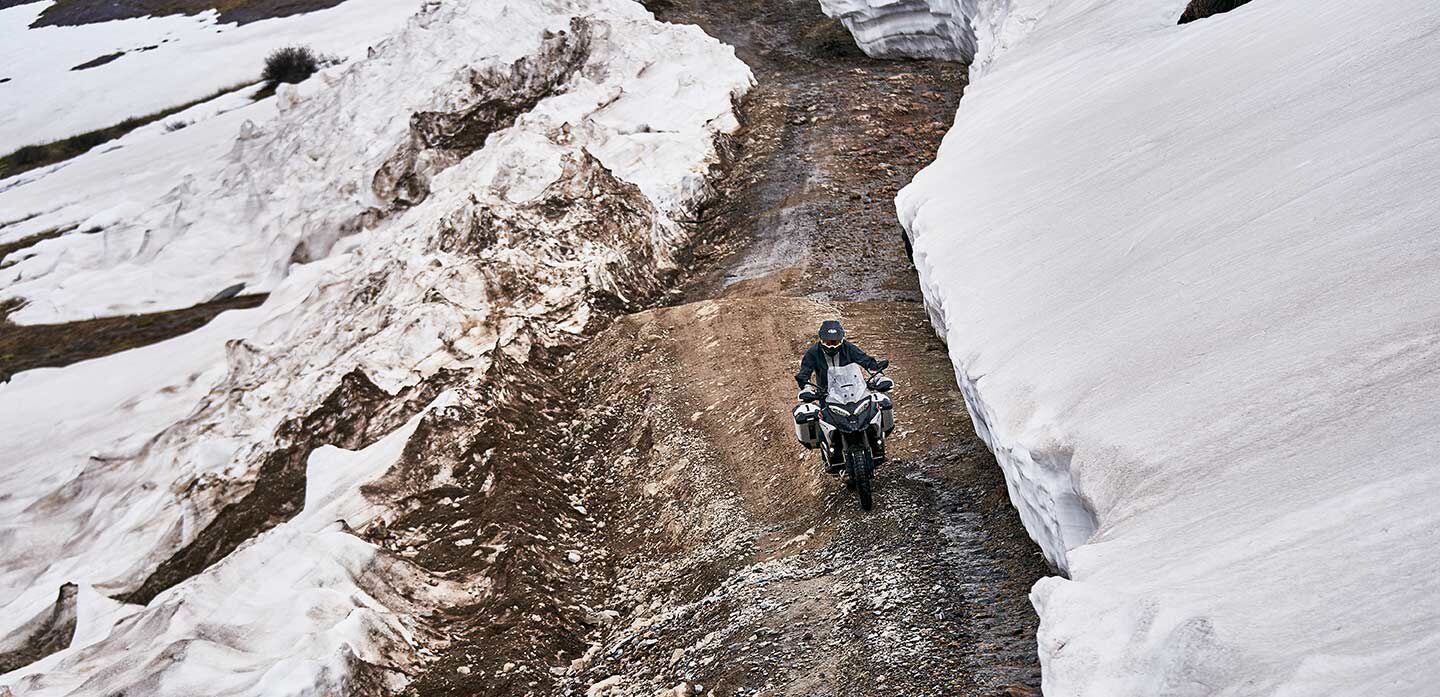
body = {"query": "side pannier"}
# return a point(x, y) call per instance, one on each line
point(887, 413)
point(807, 425)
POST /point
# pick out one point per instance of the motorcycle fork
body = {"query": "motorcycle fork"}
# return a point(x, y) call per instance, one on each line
point(855, 443)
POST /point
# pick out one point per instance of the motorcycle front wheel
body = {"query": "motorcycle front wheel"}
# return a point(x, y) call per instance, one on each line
point(858, 464)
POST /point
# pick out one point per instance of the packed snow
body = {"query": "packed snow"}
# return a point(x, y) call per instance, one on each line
point(167, 61)
point(908, 28)
point(1187, 276)
point(474, 187)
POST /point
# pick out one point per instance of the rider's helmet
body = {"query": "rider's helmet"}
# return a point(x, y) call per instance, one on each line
point(832, 335)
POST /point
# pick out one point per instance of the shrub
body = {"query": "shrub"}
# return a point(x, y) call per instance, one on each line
point(290, 64)
point(1200, 9)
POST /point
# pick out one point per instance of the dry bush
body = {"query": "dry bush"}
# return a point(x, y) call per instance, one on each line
point(1200, 9)
point(291, 64)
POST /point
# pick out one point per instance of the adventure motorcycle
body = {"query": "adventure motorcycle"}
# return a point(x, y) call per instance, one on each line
point(848, 425)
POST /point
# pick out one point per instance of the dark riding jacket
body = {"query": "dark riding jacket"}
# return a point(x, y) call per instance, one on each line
point(814, 362)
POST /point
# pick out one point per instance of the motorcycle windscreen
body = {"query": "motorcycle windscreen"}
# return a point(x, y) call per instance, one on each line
point(846, 384)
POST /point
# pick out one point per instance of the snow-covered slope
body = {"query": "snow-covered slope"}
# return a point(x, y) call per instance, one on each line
point(478, 186)
point(167, 61)
point(289, 193)
point(908, 28)
point(1187, 275)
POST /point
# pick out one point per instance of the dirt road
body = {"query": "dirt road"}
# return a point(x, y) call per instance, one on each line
point(700, 550)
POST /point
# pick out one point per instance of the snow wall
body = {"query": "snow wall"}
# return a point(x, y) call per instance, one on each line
point(1187, 276)
point(476, 189)
point(908, 28)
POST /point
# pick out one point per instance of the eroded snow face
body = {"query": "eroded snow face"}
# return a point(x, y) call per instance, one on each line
point(545, 148)
point(908, 28)
point(1186, 275)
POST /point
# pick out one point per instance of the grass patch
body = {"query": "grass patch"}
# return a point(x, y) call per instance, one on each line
point(28, 346)
point(265, 92)
point(8, 248)
point(32, 156)
point(97, 62)
point(1200, 9)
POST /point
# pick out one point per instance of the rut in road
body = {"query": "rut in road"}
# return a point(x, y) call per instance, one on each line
point(704, 551)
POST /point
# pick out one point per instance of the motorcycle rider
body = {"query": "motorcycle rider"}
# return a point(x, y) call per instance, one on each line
point(832, 350)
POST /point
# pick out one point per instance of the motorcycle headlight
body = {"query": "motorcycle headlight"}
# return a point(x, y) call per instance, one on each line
point(840, 411)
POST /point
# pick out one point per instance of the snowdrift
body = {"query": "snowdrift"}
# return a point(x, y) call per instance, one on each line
point(482, 186)
point(908, 28)
point(1187, 279)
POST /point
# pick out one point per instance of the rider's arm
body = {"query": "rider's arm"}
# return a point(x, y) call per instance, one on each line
point(807, 368)
point(865, 360)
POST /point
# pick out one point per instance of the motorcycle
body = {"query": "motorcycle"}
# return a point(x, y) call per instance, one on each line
point(847, 423)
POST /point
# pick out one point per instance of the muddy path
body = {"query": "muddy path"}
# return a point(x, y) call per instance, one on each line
point(699, 550)
point(778, 584)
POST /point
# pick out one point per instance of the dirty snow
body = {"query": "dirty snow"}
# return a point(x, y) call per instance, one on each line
point(1187, 278)
point(492, 244)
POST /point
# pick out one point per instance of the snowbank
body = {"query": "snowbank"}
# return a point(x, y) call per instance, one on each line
point(167, 61)
point(480, 185)
point(1187, 278)
point(908, 28)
